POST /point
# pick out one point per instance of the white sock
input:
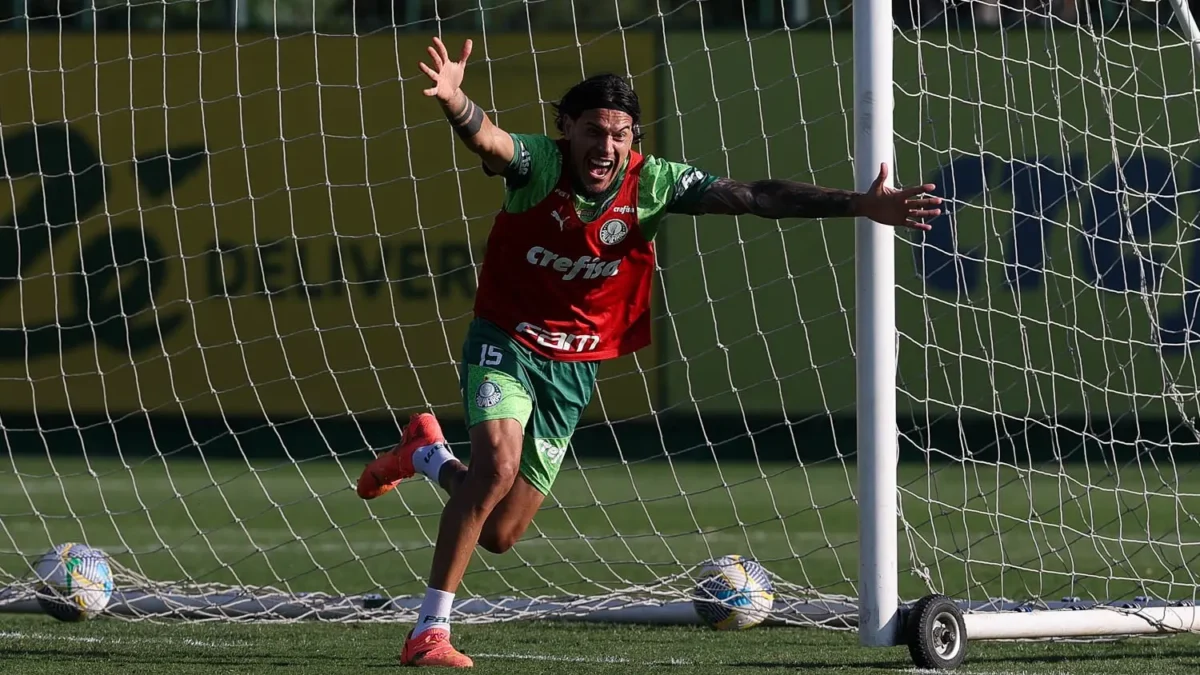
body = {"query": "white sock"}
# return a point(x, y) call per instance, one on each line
point(435, 611)
point(428, 459)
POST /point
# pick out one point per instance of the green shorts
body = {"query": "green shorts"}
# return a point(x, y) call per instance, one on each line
point(502, 379)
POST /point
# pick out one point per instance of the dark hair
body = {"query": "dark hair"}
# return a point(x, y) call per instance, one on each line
point(605, 91)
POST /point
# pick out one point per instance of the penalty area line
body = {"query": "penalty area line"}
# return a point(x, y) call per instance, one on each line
point(583, 659)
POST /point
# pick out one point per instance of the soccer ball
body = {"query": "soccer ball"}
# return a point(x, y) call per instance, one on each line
point(733, 593)
point(74, 582)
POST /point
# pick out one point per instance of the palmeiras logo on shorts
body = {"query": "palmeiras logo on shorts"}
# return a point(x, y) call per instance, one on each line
point(613, 232)
point(488, 394)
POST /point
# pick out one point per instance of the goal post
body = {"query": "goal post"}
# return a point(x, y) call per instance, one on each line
point(875, 338)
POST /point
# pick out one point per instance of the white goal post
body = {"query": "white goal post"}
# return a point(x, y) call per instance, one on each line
point(232, 262)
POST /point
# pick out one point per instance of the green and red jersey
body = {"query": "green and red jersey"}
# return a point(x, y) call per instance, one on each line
point(570, 277)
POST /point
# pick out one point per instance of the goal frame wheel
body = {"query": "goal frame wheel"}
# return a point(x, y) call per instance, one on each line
point(936, 633)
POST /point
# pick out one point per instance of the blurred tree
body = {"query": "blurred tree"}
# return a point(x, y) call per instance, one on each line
point(157, 14)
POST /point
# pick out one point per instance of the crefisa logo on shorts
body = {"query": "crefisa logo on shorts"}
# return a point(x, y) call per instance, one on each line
point(488, 394)
point(552, 452)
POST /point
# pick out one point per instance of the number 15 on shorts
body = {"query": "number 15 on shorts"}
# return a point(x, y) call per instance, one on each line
point(490, 355)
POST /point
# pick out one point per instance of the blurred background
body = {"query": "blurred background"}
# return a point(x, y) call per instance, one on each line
point(365, 16)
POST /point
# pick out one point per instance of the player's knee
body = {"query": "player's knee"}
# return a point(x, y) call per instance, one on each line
point(494, 478)
point(500, 535)
point(498, 542)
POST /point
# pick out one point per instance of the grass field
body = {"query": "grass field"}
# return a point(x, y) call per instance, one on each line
point(975, 530)
point(36, 644)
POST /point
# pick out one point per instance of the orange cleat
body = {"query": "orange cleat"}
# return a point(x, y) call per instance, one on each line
point(393, 466)
point(433, 649)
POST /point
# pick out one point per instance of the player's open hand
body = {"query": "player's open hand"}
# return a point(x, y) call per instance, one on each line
point(446, 75)
point(899, 208)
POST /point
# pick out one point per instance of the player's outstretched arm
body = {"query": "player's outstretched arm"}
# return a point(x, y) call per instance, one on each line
point(789, 199)
point(490, 142)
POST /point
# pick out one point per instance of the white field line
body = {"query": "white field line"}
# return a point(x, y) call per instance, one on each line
point(583, 659)
point(922, 671)
point(187, 642)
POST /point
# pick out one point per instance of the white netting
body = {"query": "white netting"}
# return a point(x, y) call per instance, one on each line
point(1056, 304)
point(236, 261)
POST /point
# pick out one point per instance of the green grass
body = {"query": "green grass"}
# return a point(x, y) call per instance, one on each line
point(35, 644)
point(975, 531)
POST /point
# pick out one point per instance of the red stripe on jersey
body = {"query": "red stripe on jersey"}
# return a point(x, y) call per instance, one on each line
point(569, 290)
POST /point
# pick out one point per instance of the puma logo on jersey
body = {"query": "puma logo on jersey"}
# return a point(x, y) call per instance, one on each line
point(561, 221)
point(571, 268)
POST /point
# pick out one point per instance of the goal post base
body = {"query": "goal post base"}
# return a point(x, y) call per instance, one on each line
point(1101, 621)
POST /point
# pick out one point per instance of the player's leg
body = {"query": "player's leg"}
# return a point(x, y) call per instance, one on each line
point(495, 461)
point(563, 391)
point(488, 506)
point(497, 402)
point(511, 517)
point(493, 386)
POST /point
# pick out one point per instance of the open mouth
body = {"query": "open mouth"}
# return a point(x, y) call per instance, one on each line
point(597, 169)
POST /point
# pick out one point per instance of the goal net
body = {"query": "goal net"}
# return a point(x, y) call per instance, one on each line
point(239, 250)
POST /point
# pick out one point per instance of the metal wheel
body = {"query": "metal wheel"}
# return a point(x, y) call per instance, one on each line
point(936, 633)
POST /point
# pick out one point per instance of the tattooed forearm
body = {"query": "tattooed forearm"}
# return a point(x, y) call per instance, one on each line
point(490, 142)
point(776, 199)
point(466, 117)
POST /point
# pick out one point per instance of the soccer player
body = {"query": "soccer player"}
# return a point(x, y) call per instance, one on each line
point(565, 284)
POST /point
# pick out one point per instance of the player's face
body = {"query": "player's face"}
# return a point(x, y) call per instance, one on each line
point(600, 142)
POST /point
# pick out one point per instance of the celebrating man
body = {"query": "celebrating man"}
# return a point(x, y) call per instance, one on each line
point(565, 284)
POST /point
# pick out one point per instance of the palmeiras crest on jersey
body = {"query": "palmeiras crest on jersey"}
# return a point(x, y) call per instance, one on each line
point(613, 232)
point(488, 394)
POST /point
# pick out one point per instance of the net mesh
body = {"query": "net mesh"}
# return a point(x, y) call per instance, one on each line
point(1057, 304)
point(234, 262)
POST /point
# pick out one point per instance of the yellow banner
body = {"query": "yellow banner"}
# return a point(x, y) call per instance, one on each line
point(282, 226)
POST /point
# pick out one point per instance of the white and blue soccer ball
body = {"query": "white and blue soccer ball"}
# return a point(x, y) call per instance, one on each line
point(74, 582)
point(733, 593)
